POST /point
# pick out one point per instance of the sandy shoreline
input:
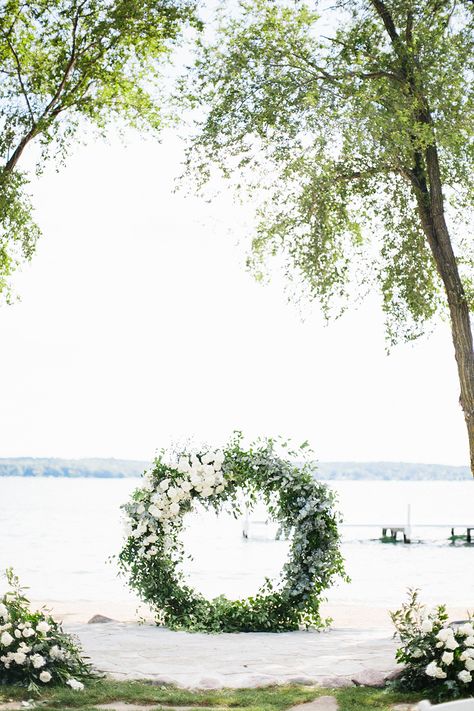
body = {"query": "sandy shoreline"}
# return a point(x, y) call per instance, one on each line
point(344, 616)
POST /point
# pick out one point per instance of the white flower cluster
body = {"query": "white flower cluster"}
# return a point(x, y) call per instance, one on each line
point(20, 653)
point(450, 640)
point(200, 476)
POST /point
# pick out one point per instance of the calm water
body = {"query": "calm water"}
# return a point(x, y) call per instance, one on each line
point(58, 534)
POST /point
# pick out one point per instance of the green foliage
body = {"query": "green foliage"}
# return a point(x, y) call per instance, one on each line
point(18, 231)
point(153, 550)
point(435, 655)
point(67, 62)
point(34, 650)
point(334, 129)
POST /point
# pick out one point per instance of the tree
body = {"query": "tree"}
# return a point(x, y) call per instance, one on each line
point(362, 136)
point(63, 62)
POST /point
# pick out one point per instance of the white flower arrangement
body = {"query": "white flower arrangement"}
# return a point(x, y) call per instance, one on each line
point(153, 550)
point(436, 655)
point(34, 650)
point(153, 513)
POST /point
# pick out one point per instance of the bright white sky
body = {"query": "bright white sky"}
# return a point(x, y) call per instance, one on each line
point(139, 324)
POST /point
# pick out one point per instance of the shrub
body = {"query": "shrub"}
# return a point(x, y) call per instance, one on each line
point(34, 650)
point(438, 656)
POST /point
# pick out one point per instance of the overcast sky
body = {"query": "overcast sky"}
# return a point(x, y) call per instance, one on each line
point(138, 324)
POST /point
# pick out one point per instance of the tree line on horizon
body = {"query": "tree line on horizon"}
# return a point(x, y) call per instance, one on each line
point(356, 141)
point(122, 468)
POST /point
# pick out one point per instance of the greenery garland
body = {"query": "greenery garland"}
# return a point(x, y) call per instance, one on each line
point(303, 507)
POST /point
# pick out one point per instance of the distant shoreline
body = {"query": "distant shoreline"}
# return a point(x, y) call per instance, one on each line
point(29, 467)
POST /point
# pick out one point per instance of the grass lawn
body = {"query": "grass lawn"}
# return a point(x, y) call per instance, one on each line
point(276, 698)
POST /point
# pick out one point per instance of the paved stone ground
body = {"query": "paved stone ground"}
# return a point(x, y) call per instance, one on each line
point(205, 661)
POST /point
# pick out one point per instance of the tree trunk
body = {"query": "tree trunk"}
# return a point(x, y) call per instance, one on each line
point(431, 208)
point(460, 328)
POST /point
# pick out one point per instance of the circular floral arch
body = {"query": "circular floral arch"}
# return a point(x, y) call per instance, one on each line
point(303, 507)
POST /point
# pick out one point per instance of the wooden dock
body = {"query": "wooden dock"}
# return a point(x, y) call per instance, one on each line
point(391, 533)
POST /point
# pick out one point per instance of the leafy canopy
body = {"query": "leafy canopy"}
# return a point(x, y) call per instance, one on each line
point(63, 61)
point(319, 114)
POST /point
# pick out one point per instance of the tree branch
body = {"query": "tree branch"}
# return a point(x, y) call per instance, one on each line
point(324, 74)
point(387, 19)
point(35, 128)
point(20, 78)
point(367, 173)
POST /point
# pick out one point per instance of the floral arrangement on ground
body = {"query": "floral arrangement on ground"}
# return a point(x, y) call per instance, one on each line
point(34, 649)
point(217, 478)
point(437, 656)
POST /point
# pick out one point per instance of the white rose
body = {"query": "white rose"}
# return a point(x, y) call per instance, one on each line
point(154, 511)
point(431, 669)
point(172, 493)
point(218, 457)
point(466, 629)
point(465, 677)
point(426, 626)
point(75, 684)
point(45, 676)
point(19, 657)
point(451, 643)
point(38, 661)
point(447, 658)
point(55, 652)
point(6, 639)
point(440, 674)
point(445, 634)
point(174, 509)
point(220, 488)
point(164, 484)
point(17, 634)
point(469, 641)
point(207, 491)
point(3, 611)
point(183, 465)
point(186, 485)
point(469, 664)
point(43, 627)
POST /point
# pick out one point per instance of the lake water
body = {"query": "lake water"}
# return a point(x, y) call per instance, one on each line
point(59, 533)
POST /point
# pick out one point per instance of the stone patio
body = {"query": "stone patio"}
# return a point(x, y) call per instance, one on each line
point(334, 658)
